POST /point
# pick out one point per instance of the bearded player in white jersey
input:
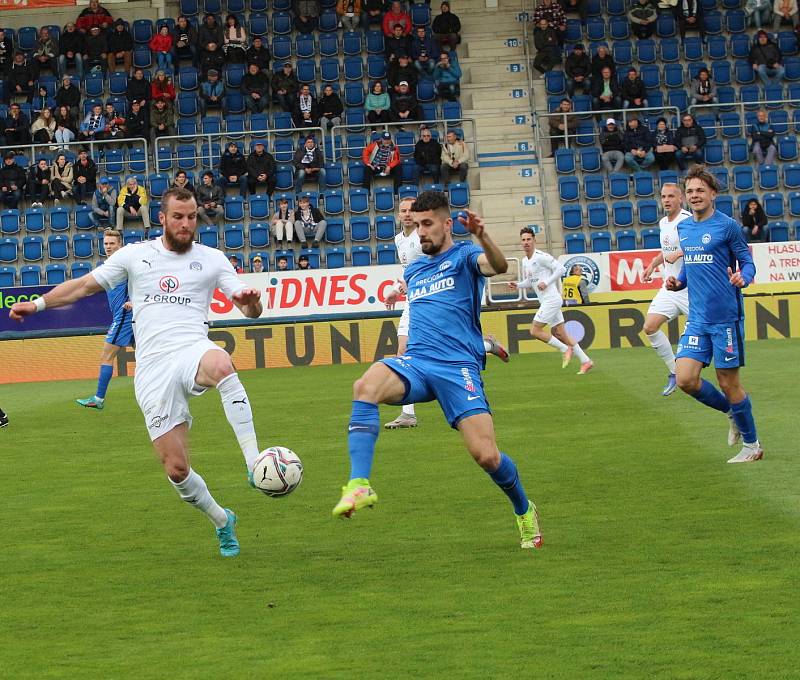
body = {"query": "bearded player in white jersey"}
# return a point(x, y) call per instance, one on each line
point(170, 282)
point(667, 304)
point(408, 247)
point(542, 272)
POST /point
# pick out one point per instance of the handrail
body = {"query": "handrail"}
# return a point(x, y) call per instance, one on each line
point(434, 122)
point(54, 149)
point(742, 107)
point(595, 132)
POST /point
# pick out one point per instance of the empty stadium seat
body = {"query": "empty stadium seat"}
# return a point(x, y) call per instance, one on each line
point(574, 244)
point(600, 241)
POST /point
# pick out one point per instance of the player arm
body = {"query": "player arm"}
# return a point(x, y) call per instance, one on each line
point(747, 267)
point(557, 271)
point(247, 300)
point(673, 257)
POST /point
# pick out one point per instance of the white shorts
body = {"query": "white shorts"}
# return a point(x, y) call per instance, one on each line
point(163, 387)
point(670, 303)
point(402, 327)
point(549, 313)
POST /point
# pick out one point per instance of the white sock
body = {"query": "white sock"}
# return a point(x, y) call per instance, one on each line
point(487, 346)
point(408, 410)
point(239, 415)
point(194, 491)
point(555, 342)
point(578, 351)
point(663, 348)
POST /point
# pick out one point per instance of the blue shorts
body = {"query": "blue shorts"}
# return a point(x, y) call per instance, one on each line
point(457, 387)
point(120, 332)
point(722, 342)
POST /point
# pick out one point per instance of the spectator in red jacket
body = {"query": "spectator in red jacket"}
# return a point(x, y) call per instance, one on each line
point(161, 46)
point(162, 87)
point(381, 159)
point(94, 15)
point(396, 15)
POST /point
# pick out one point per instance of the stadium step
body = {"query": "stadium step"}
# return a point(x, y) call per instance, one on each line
point(494, 71)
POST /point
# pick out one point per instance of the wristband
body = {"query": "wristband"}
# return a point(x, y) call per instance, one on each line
point(40, 304)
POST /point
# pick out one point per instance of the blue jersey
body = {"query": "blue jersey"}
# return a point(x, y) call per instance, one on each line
point(709, 248)
point(117, 297)
point(444, 294)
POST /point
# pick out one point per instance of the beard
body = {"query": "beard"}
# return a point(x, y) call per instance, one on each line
point(176, 245)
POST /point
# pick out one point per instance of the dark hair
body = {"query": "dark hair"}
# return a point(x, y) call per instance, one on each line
point(527, 230)
point(181, 195)
point(208, 173)
point(700, 172)
point(431, 200)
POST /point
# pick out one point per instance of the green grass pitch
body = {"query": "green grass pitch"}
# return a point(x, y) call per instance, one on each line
point(660, 561)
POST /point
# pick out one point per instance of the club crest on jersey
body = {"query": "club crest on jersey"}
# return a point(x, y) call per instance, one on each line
point(589, 270)
point(169, 284)
point(445, 265)
point(706, 239)
point(196, 266)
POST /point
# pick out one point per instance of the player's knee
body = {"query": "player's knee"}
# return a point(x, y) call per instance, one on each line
point(688, 383)
point(177, 470)
point(650, 327)
point(488, 457)
point(219, 367)
point(365, 390)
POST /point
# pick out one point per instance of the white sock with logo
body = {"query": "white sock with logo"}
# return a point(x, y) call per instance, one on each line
point(578, 351)
point(408, 410)
point(194, 491)
point(239, 415)
point(663, 348)
point(555, 342)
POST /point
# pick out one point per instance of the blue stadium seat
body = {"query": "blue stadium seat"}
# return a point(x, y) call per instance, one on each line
point(738, 151)
point(735, 20)
point(651, 239)
point(626, 239)
point(329, 70)
point(459, 194)
point(83, 246)
point(714, 152)
point(55, 274)
point(601, 241)
point(361, 256)
point(334, 232)
point(618, 29)
point(643, 184)
point(568, 188)
point(420, 14)
point(648, 212)
point(554, 82)
point(717, 47)
point(387, 253)
point(351, 43)
point(78, 269)
point(623, 214)
point(778, 231)
point(384, 199)
point(281, 24)
point(30, 275)
point(10, 221)
point(233, 236)
point(725, 205)
point(565, 160)
point(209, 236)
point(374, 42)
point(590, 159)
point(598, 216)
point(721, 72)
point(385, 227)
point(721, 174)
point(571, 216)
point(791, 176)
point(673, 75)
point(281, 48)
point(83, 217)
point(665, 25)
point(574, 244)
point(623, 52)
point(693, 48)
point(743, 72)
point(334, 256)
point(259, 24)
point(595, 29)
point(32, 248)
point(34, 220)
point(594, 187)
point(619, 185)
point(646, 51)
point(787, 148)
point(773, 205)
point(358, 200)
point(768, 177)
point(329, 45)
point(258, 235)
point(58, 247)
point(360, 229)
point(304, 46)
point(8, 277)
point(794, 203)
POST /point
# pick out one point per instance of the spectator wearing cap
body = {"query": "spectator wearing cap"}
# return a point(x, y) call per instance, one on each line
point(132, 204)
point(212, 93)
point(634, 93)
point(642, 16)
point(285, 87)
point(16, 128)
point(305, 113)
point(68, 94)
point(349, 12)
point(377, 104)
point(104, 202)
point(402, 70)
point(233, 169)
point(236, 264)
point(424, 51)
point(282, 223)
point(255, 88)
point(394, 17)
point(257, 265)
point(93, 124)
point(162, 117)
point(455, 158)
point(96, 56)
point(71, 46)
point(447, 27)
point(209, 199)
point(404, 104)
point(303, 263)
point(12, 181)
point(664, 144)
point(396, 44)
point(261, 169)
point(638, 146)
point(612, 144)
point(94, 15)
point(309, 221)
point(45, 53)
point(562, 126)
point(578, 69)
point(330, 108)
point(120, 47)
point(381, 159)
point(21, 77)
point(211, 57)
point(307, 163)
point(85, 172)
point(766, 59)
point(605, 91)
point(428, 155)
point(447, 76)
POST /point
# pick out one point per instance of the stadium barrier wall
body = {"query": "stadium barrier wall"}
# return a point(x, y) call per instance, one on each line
point(281, 344)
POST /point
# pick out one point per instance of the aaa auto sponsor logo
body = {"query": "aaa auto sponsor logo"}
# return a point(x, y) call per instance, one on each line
point(589, 270)
point(626, 269)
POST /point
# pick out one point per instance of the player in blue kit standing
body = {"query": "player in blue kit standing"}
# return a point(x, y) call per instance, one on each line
point(712, 245)
point(120, 332)
point(443, 360)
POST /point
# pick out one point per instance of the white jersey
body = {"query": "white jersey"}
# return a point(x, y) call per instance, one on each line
point(541, 266)
point(408, 247)
point(170, 292)
point(670, 242)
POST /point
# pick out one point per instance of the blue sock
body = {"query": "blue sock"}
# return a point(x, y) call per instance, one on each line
point(106, 373)
point(506, 477)
point(711, 396)
point(743, 417)
point(362, 434)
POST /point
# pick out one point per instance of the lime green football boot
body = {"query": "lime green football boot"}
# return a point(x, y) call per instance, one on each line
point(356, 495)
point(530, 535)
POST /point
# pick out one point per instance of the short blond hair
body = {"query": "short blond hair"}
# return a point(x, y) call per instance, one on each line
point(114, 234)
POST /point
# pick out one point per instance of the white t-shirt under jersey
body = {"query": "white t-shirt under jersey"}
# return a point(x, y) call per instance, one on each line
point(170, 292)
point(670, 242)
point(408, 247)
point(541, 266)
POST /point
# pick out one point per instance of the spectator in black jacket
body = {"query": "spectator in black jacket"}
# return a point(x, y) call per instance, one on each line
point(638, 146)
point(45, 54)
point(68, 94)
point(767, 60)
point(690, 139)
point(307, 163)
point(605, 91)
point(399, 43)
point(39, 183)
point(12, 181)
point(664, 144)
point(258, 53)
point(428, 155)
point(404, 104)
point(120, 47)
point(255, 88)
point(548, 48)
point(578, 70)
point(209, 32)
point(309, 221)
point(17, 127)
point(84, 171)
point(304, 113)
point(138, 88)
point(209, 199)
point(261, 169)
point(689, 15)
point(402, 70)
point(284, 87)
point(371, 13)
point(602, 59)
point(6, 54)
point(96, 55)
point(22, 76)
point(754, 222)
point(446, 27)
point(71, 47)
point(634, 93)
point(137, 123)
point(211, 59)
point(612, 143)
point(643, 17)
point(233, 169)
point(184, 39)
point(330, 108)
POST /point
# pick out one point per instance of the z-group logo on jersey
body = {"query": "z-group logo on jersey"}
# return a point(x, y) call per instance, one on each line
point(169, 284)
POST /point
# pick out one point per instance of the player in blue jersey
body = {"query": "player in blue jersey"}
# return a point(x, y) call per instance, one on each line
point(716, 265)
point(443, 360)
point(120, 332)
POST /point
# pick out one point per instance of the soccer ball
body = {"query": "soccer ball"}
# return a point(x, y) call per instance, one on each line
point(277, 471)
